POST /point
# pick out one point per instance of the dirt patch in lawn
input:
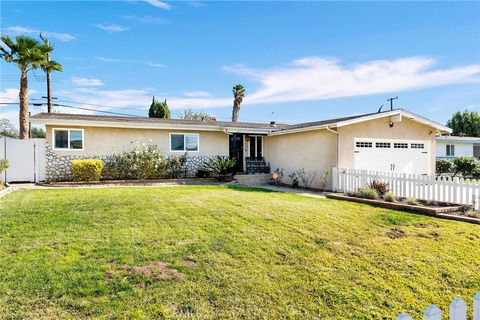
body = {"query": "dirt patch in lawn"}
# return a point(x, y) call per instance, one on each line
point(395, 233)
point(189, 264)
point(158, 270)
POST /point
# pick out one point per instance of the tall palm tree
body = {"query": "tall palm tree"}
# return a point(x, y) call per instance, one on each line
point(28, 54)
point(238, 95)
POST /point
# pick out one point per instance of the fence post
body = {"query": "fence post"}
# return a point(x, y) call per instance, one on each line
point(334, 179)
point(432, 313)
point(458, 309)
point(476, 306)
point(403, 316)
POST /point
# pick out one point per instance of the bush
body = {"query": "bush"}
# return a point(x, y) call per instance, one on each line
point(380, 187)
point(219, 166)
point(87, 170)
point(443, 166)
point(411, 201)
point(294, 178)
point(367, 193)
point(4, 165)
point(277, 176)
point(466, 166)
point(389, 197)
point(143, 162)
point(307, 177)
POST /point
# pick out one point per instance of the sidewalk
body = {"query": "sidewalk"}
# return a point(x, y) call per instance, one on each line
point(301, 192)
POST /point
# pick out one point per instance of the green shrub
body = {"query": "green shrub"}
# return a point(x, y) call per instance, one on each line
point(144, 161)
point(219, 165)
point(4, 165)
point(389, 197)
point(466, 166)
point(411, 201)
point(87, 170)
point(367, 193)
point(443, 166)
point(380, 187)
point(174, 166)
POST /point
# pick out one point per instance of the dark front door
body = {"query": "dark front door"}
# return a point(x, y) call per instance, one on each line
point(236, 150)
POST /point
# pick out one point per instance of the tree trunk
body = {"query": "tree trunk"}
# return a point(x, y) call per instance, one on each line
point(235, 111)
point(23, 114)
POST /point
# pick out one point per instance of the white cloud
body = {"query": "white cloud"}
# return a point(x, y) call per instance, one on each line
point(148, 63)
point(319, 78)
point(146, 19)
point(159, 4)
point(9, 95)
point(197, 94)
point(25, 30)
point(86, 82)
point(9, 111)
point(112, 27)
point(196, 4)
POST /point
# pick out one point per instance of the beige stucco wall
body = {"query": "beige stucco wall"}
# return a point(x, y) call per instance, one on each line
point(379, 129)
point(103, 141)
point(312, 150)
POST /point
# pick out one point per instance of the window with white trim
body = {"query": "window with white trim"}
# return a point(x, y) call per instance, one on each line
point(382, 145)
point(184, 142)
point(417, 146)
point(450, 150)
point(362, 144)
point(68, 139)
point(400, 145)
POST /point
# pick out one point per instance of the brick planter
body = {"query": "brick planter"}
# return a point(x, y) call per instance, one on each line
point(445, 212)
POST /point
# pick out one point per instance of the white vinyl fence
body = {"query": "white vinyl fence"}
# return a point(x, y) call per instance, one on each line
point(455, 190)
point(26, 159)
point(458, 311)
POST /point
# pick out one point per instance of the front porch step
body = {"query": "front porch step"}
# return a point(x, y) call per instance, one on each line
point(253, 179)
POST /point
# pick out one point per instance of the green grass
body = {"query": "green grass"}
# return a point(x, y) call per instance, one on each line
point(233, 253)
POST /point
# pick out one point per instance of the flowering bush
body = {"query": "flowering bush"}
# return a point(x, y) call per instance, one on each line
point(144, 161)
point(87, 170)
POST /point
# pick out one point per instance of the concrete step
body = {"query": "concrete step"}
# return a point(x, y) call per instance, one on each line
point(253, 179)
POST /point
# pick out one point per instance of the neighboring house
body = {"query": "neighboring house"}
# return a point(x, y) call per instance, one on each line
point(449, 147)
point(390, 141)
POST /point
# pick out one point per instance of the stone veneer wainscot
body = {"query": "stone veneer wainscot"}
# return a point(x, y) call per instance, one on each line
point(59, 168)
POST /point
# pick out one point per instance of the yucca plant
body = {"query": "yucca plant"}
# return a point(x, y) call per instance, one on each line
point(219, 166)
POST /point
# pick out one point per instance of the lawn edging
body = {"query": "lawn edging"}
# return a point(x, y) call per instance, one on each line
point(440, 212)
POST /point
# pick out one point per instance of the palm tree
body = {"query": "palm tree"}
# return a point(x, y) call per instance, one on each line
point(28, 54)
point(238, 95)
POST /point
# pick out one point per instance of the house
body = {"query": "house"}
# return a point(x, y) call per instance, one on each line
point(390, 141)
point(449, 147)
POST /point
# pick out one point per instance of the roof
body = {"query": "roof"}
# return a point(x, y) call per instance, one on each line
point(63, 119)
point(456, 139)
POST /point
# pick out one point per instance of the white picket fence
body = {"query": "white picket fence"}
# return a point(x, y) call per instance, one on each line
point(458, 310)
point(447, 189)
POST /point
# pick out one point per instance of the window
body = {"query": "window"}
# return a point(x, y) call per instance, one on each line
point(184, 142)
point(361, 144)
point(255, 146)
point(450, 150)
point(382, 145)
point(417, 146)
point(68, 139)
point(400, 145)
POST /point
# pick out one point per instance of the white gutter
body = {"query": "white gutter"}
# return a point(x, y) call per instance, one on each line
point(332, 131)
point(288, 131)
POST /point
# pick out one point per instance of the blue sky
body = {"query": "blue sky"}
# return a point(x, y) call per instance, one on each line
point(299, 61)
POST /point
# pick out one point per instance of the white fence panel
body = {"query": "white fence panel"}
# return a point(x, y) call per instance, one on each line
point(455, 190)
point(458, 310)
point(26, 159)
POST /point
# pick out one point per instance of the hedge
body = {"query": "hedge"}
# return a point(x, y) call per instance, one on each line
point(87, 170)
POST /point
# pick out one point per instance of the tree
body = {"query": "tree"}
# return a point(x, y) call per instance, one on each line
point(190, 114)
point(466, 123)
point(28, 54)
point(159, 109)
point(238, 95)
point(7, 129)
point(38, 133)
point(466, 166)
point(443, 166)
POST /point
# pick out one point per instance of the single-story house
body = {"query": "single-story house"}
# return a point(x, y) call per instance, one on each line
point(449, 147)
point(389, 141)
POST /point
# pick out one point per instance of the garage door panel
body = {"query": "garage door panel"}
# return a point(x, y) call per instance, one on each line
point(388, 155)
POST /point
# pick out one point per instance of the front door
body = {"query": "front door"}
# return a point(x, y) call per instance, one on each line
point(256, 147)
point(236, 150)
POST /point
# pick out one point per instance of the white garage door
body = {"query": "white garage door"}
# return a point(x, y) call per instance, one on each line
point(402, 156)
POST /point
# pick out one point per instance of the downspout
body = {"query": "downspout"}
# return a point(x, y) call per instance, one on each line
point(336, 160)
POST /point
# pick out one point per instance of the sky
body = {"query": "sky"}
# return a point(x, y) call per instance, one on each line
point(298, 61)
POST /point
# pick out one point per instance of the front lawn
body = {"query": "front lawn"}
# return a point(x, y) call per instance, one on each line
point(221, 252)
